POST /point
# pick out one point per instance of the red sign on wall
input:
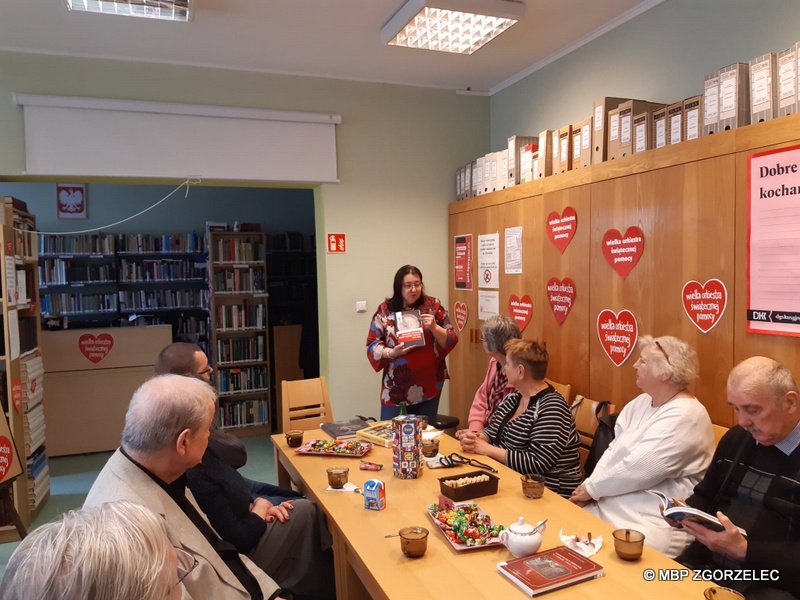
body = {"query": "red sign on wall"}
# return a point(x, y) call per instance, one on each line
point(337, 243)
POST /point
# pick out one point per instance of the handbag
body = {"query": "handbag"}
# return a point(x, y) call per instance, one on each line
point(603, 436)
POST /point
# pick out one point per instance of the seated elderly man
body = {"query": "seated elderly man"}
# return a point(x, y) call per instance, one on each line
point(754, 483)
point(280, 531)
point(166, 433)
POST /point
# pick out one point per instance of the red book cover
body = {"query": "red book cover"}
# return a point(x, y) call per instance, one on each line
point(549, 570)
point(409, 328)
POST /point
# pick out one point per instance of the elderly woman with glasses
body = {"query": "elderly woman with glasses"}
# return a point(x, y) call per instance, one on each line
point(413, 375)
point(663, 441)
point(532, 430)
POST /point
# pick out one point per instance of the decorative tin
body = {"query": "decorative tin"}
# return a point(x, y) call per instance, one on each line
point(407, 447)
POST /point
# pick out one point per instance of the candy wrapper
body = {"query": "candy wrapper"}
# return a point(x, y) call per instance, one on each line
point(369, 466)
point(581, 543)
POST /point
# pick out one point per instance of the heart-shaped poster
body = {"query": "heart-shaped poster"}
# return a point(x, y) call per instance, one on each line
point(7, 454)
point(561, 227)
point(95, 347)
point(622, 253)
point(618, 334)
point(704, 303)
point(561, 296)
point(521, 310)
point(461, 312)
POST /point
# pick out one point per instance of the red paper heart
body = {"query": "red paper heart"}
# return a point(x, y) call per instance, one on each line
point(521, 310)
point(7, 453)
point(618, 334)
point(561, 228)
point(622, 253)
point(704, 303)
point(95, 347)
point(462, 314)
point(561, 295)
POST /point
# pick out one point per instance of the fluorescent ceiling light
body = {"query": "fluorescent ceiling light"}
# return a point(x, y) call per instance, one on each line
point(170, 10)
point(460, 26)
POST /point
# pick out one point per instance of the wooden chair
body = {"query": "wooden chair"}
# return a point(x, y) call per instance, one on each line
point(305, 404)
point(564, 389)
point(584, 412)
point(719, 431)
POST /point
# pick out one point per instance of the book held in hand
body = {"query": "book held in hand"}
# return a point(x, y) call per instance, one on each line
point(409, 328)
point(550, 570)
point(677, 510)
point(343, 430)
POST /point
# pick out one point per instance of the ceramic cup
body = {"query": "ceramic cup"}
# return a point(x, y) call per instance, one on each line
point(430, 448)
point(294, 438)
point(721, 593)
point(337, 477)
point(414, 541)
point(532, 486)
point(628, 543)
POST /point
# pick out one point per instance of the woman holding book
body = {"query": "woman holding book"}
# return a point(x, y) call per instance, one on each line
point(532, 430)
point(663, 441)
point(412, 374)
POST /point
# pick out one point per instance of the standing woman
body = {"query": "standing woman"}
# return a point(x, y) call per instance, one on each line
point(414, 375)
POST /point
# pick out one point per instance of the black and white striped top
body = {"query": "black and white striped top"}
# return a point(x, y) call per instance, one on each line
point(542, 440)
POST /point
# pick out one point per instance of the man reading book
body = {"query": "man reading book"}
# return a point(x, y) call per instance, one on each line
point(754, 483)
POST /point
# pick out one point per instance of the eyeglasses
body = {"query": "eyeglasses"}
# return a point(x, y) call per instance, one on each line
point(664, 352)
point(456, 459)
point(186, 564)
point(412, 286)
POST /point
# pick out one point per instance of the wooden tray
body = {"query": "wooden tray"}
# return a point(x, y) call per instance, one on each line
point(346, 448)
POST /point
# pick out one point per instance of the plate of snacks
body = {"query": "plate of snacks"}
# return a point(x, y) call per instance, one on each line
point(347, 448)
point(465, 525)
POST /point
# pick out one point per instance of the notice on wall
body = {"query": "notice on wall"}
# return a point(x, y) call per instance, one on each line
point(773, 287)
point(489, 260)
point(514, 251)
point(462, 262)
point(488, 304)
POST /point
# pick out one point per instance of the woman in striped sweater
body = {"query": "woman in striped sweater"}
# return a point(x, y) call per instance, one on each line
point(532, 429)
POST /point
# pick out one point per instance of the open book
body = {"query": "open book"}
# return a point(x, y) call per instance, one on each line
point(409, 328)
point(677, 510)
point(549, 570)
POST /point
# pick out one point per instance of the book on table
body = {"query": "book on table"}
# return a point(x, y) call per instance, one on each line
point(677, 510)
point(381, 433)
point(409, 328)
point(550, 570)
point(343, 430)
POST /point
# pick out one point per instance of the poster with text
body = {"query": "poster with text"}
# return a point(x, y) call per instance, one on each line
point(514, 251)
point(489, 260)
point(773, 251)
point(462, 262)
point(488, 304)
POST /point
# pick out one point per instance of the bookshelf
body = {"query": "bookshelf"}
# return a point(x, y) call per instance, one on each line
point(239, 328)
point(21, 361)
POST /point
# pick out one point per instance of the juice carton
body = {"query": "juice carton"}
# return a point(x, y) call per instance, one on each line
point(374, 494)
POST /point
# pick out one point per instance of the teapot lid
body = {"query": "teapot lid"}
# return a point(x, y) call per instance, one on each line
point(521, 527)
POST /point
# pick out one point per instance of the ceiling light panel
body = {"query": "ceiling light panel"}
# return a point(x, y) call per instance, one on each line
point(169, 10)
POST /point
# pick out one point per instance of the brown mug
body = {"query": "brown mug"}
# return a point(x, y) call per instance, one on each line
point(414, 541)
point(337, 477)
point(294, 438)
point(628, 543)
point(430, 448)
point(532, 486)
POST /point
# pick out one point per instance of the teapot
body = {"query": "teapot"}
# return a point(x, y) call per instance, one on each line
point(523, 539)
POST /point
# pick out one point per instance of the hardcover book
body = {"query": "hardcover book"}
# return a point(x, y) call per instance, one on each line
point(677, 510)
point(343, 430)
point(409, 328)
point(380, 433)
point(550, 570)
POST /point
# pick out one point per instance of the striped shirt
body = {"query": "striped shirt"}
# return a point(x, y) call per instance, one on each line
point(542, 440)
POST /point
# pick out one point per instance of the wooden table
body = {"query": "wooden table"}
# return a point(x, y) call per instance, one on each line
point(370, 565)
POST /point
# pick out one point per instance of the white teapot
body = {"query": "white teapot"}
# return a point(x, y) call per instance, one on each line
point(523, 539)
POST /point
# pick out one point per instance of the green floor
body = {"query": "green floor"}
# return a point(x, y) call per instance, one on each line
point(72, 476)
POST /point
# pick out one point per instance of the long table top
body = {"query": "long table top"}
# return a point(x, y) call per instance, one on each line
point(472, 574)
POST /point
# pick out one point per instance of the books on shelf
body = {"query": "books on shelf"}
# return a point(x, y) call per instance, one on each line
point(381, 433)
point(343, 430)
point(550, 570)
point(409, 328)
point(677, 510)
point(32, 375)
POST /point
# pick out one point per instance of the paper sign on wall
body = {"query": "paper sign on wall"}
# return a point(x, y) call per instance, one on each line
point(462, 262)
point(489, 260)
point(704, 303)
point(623, 252)
point(561, 296)
point(488, 304)
point(618, 334)
point(514, 251)
point(95, 347)
point(521, 310)
point(561, 227)
point(462, 314)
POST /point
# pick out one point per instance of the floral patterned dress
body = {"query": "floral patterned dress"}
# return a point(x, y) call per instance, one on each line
point(419, 375)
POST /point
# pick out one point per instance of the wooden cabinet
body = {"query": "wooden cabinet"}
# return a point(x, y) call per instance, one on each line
point(238, 282)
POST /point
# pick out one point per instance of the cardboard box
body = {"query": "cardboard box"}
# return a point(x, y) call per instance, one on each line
point(612, 145)
point(600, 126)
point(642, 132)
point(734, 96)
point(516, 143)
point(787, 81)
point(526, 160)
point(491, 164)
point(764, 88)
point(502, 170)
point(460, 183)
point(480, 189)
point(659, 122)
point(711, 103)
point(477, 171)
point(543, 163)
point(374, 494)
point(470, 490)
point(582, 144)
point(564, 149)
point(675, 123)
point(627, 110)
point(692, 120)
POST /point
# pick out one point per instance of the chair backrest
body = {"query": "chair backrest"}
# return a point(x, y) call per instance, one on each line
point(305, 404)
point(564, 389)
point(584, 412)
point(719, 431)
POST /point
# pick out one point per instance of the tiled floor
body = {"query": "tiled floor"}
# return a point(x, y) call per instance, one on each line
point(72, 476)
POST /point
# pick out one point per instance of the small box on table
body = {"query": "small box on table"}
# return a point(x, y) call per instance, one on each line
point(465, 486)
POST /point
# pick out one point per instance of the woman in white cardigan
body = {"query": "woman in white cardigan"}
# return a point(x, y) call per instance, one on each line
point(663, 441)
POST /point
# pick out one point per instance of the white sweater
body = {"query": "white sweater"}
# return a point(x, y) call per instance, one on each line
point(667, 448)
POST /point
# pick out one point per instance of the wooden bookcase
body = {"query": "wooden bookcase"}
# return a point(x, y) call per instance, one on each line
point(239, 330)
point(21, 362)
